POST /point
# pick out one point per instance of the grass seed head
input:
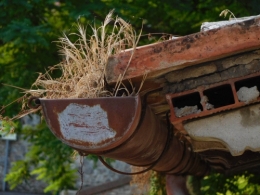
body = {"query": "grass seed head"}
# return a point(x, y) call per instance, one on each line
point(84, 62)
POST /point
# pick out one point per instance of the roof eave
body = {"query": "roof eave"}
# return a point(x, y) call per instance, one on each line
point(160, 58)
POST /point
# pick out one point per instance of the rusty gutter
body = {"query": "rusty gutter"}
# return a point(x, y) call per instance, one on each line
point(121, 128)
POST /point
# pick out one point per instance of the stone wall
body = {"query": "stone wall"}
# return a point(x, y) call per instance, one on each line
point(212, 72)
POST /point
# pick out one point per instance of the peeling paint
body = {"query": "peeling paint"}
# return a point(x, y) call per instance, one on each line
point(85, 123)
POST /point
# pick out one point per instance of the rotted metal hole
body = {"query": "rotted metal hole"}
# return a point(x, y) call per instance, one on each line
point(34, 102)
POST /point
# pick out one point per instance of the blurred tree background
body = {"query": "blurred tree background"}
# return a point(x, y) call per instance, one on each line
point(28, 31)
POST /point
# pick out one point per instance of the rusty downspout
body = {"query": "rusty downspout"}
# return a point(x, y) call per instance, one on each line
point(118, 128)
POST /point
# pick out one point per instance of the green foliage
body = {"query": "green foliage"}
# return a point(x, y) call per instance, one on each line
point(157, 184)
point(7, 127)
point(20, 171)
point(25, 38)
point(230, 185)
point(193, 184)
point(220, 184)
point(47, 158)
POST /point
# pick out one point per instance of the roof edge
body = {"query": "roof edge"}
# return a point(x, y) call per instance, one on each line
point(157, 59)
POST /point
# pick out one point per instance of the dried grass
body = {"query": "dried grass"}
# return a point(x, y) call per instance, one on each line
point(83, 67)
point(225, 12)
point(85, 61)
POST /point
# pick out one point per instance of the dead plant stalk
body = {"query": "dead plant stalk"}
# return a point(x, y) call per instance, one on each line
point(84, 63)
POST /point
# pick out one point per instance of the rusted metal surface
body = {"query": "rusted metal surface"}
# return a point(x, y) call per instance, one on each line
point(92, 124)
point(157, 59)
point(119, 128)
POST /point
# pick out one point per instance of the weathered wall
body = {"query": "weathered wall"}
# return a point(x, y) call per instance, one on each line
point(212, 72)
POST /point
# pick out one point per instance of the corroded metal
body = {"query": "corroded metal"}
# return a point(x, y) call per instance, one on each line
point(33, 102)
point(92, 124)
point(121, 128)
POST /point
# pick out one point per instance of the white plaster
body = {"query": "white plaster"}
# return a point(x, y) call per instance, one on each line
point(204, 100)
point(247, 95)
point(238, 129)
point(186, 110)
point(85, 123)
point(215, 25)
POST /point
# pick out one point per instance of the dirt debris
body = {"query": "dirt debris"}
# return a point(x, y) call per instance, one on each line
point(186, 110)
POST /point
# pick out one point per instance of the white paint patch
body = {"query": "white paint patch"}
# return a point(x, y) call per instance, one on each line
point(247, 95)
point(85, 123)
point(238, 129)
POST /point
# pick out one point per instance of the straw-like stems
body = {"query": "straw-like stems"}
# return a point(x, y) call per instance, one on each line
point(226, 12)
point(83, 68)
point(134, 41)
point(84, 63)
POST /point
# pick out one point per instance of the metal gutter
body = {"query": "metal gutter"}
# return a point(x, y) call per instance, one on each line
point(121, 128)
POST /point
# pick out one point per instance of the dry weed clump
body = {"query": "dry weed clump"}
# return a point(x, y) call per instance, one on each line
point(83, 65)
point(85, 61)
